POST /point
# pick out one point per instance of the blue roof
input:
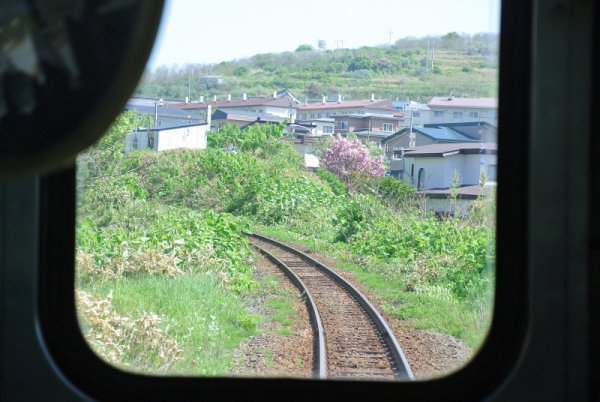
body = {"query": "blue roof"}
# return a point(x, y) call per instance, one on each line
point(443, 134)
point(399, 104)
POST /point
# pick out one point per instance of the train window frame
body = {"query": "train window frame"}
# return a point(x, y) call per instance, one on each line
point(67, 348)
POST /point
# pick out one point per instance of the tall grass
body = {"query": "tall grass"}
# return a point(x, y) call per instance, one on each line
point(205, 321)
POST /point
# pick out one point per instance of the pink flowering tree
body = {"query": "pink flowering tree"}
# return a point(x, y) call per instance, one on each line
point(348, 158)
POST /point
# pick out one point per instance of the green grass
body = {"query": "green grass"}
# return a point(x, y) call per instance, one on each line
point(283, 313)
point(207, 322)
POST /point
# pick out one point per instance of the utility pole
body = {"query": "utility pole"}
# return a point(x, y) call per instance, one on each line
point(412, 141)
point(427, 57)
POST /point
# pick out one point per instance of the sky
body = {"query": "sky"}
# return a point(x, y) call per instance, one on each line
point(196, 31)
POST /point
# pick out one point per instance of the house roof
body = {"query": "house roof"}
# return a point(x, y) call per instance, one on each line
point(402, 105)
point(475, 103)
point(368, 116)
point(282, 101)
point(444, 134)
point(321, 120)
point(382, 104)
point(469, 129)
point(445, 150)
point(242, 115)
point(371, 133)
point(171, 126)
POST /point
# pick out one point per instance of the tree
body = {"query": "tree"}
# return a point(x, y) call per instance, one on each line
point(452, 40)
point(101, 157)
point(361, 63)
point(305, 48)
point(350, 157)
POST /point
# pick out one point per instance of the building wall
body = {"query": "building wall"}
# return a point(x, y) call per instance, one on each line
point(216, 124)
point(439, 170)
point(307, 114)
point(137, 140)
point(193, 137)
point(356, 124)
point(448, 115)
point(310, 160)
point(281, 111)
point(420, 117)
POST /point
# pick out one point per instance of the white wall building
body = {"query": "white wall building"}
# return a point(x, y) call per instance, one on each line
point(431, 168)
point(448, 109)
point(163, 138)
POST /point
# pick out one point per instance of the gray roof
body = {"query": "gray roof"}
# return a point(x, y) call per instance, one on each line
point(442, 134)
point(368, 115)
point(171, 126)
point(471, 129)
point(245, 115)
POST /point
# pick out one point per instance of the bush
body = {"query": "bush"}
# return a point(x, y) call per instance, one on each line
point(347, 157)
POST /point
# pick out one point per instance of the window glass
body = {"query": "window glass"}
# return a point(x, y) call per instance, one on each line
point(168, 280)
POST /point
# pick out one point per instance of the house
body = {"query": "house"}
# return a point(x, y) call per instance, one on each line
point(415, 114)
point(431, 168)
point(322, 126)
point(449, 109)
point(380, 124)
point(162, 138)
point(241, 118)
point(329, 109)
point(281, 104)
point(439, 133)
point(151, 107)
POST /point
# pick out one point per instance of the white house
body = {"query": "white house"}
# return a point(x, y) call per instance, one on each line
point(192, 136)
point(431, 168)
point(280, 104)
point(448, 109)
point(322, 126)
point(415, 114)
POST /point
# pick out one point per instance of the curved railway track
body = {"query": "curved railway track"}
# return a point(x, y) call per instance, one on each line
point(352, 340)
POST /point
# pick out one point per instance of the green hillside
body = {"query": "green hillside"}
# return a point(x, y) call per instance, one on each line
point(463, 65)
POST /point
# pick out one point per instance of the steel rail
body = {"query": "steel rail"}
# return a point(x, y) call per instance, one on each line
point(319, 367)
point(404, 370)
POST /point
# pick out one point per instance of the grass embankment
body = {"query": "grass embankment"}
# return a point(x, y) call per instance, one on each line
point(160, 240)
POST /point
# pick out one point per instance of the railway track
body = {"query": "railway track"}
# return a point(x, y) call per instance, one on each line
point(352, 340)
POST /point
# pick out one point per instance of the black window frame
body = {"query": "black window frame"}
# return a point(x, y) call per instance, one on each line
point(85, 371)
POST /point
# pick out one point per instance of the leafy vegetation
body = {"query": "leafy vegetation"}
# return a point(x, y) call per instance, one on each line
point(462, 65)
point(162, 234)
